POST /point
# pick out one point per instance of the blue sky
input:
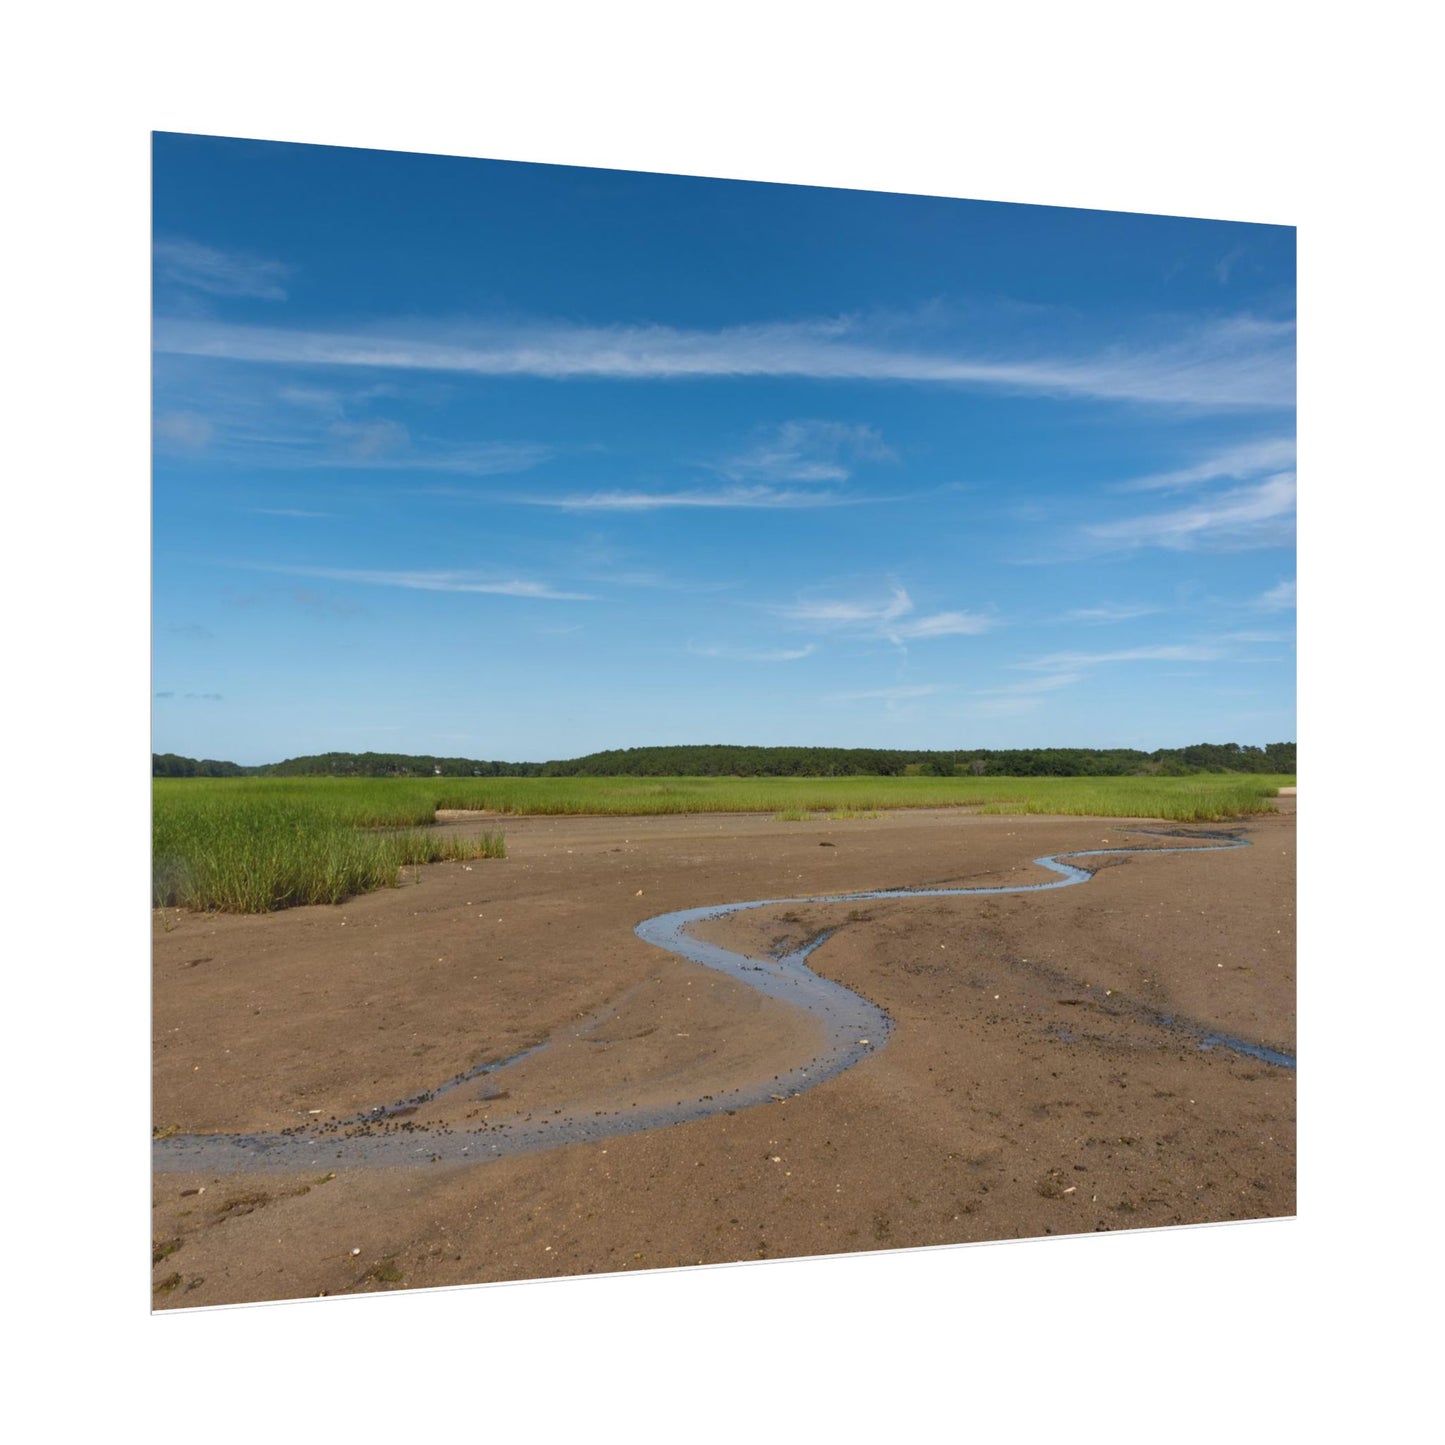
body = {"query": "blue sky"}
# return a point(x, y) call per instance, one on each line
point(516, 461)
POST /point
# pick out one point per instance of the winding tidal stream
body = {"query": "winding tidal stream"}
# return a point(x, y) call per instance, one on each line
point(854, 1028)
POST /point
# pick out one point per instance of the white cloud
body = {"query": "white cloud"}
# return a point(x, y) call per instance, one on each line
point(1109, 613)
point(425, 454)
point(1071, 661)
point(1250, 459)
point(313, 398)
point(850, 614)
point(370, 441)
point(378, 444)
point(1032, 687)
point(1261, 515)
point(809, 451)
point(942, 624)
point(1225, 264)
point(1279, 598)
point(1242, 362)
point(747, 654)
point(435, 582)
point(219, 273)
point(240, 417)
point(890, 619)
point(764, 498)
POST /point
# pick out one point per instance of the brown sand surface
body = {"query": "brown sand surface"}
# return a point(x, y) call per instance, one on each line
point(1029, 1086)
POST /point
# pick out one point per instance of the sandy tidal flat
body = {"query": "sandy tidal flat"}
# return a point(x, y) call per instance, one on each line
point(1032, 1083)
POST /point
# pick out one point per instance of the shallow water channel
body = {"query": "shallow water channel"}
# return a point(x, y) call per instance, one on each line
point(854, 1028)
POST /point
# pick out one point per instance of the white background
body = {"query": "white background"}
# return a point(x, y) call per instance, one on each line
point(1257, 112)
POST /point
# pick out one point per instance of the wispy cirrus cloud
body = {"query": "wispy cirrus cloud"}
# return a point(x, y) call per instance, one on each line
point(1240, 362)
point(941, 624)
point(219, 273)
point(796, 466)
point(1033, 687)
point(839, 612)
point(1019, 697)
point(1072, 662)
point(1061, 670)
point(1260, 515)
point(240, 418)
point(1110, 612)
point(380, 445)
point(808, 451)
point(756, 498)
point(368, 442)
point(1225, 264)
point(1279, 598)
point(753, 654)
point(890, 618)
point(368, 450)
point(183, 431)
point(433, 582)
point(1236, 463)
point(320, 606)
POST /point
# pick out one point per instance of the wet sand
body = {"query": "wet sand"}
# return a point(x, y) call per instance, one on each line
point(1028, 1086)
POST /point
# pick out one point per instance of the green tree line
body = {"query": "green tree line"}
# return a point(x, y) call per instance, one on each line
point(718, 760)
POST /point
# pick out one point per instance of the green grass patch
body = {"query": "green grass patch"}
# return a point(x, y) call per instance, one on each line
point(254, 845)
point(1214, 795)
point(1206, 798)
point(250, 845)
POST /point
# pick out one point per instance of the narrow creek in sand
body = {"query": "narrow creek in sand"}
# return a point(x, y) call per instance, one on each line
point(854, 1028)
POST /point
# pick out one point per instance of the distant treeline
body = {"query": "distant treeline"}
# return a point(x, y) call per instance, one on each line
point(884, 762)
point(343, 765)
point(748, 762)
point(172, 765)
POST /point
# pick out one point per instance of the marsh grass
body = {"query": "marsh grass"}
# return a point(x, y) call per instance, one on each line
point(256, 849)
point(251, 845)
point(401, 803)
point(1209, 798)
